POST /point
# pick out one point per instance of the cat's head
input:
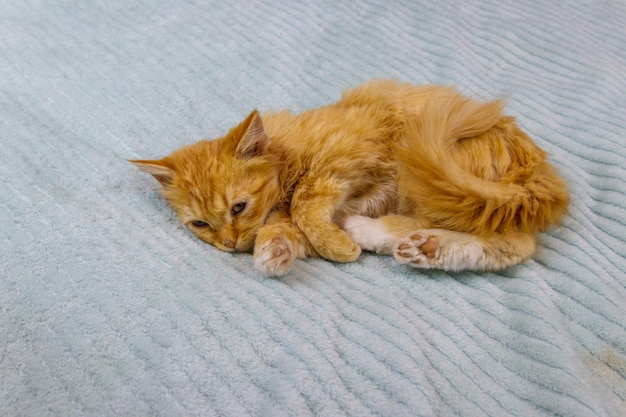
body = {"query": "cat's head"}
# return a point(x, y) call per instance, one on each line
point(224, 189)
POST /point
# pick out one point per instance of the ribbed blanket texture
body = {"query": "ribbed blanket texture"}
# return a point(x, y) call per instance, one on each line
point(110, 307)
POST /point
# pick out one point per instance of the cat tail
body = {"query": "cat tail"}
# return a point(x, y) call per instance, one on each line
point(529, 198)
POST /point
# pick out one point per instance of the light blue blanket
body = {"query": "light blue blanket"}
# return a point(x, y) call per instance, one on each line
point(109, 307)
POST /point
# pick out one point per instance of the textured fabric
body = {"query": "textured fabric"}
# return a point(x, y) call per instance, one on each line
point(108, 306)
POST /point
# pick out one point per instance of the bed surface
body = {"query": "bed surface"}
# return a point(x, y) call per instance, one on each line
point(109, 307)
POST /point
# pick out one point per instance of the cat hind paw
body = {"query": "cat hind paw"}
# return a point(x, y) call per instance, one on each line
point(274, 258)
point(417, 250)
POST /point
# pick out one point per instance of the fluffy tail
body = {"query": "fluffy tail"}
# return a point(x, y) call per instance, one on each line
point(525, 193)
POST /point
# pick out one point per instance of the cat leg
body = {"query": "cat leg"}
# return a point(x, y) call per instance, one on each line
point(312, 209)
point(411, 244)
point(379, 235)
point(457, 251)
point(277, 246)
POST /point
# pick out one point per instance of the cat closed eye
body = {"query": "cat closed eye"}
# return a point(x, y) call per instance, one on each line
point(238, 208)
point(199, 224)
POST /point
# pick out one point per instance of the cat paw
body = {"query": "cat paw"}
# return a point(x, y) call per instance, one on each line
point(341, 249)
point(349, 254)
point(417, 250)
point(274, 258)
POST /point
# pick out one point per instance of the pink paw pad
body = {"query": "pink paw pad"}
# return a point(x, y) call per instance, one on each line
point(417, 249)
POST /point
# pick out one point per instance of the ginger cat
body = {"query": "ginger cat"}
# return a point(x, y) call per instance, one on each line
point(419, 172)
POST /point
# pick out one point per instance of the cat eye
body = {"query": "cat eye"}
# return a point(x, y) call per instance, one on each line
point(199, 224)
point(238, 208)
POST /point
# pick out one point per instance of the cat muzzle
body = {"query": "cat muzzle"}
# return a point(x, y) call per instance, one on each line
point(229, 243)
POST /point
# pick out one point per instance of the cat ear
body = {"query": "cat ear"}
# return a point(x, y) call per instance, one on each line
point(159, 169)
point(254, 141)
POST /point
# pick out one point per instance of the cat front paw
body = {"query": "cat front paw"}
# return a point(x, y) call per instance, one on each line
point(338, 248)
point(274, 257)
point(418, 250)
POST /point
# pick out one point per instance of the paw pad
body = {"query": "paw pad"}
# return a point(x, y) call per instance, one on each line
point(417, 250)
point(430, 248)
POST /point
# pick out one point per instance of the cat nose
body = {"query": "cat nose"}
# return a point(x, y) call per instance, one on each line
point(229, 243)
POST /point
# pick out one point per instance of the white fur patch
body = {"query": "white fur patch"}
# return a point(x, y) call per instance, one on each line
point(370, 234)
